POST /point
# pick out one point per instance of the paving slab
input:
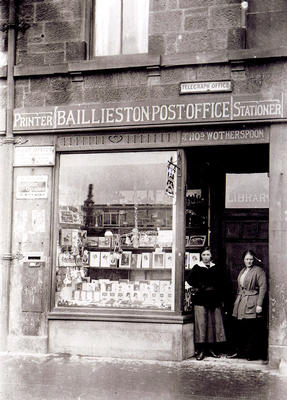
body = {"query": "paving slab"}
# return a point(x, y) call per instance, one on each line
point(64, 377)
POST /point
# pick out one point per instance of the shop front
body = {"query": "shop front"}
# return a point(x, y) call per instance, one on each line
point(114, 204)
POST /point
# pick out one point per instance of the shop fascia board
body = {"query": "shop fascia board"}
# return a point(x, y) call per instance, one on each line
point(134, 316)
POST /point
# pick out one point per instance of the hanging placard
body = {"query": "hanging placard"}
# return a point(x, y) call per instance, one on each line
point(170, 180)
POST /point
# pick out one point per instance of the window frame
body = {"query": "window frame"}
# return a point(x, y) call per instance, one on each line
point(168, 315)
point(90, 37)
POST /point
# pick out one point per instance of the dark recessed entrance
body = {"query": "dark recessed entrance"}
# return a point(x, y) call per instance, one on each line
point(235, 181)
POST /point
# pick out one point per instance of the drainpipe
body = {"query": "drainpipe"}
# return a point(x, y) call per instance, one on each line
point(6, 179)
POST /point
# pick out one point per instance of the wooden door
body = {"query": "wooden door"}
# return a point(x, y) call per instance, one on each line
point(242, 230)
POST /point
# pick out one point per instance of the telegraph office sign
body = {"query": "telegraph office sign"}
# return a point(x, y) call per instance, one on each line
point(196, 110)
point(204, 87)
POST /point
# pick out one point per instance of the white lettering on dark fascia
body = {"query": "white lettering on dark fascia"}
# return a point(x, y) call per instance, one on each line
point(147, 114)
point(256, 109)
point(214, 136)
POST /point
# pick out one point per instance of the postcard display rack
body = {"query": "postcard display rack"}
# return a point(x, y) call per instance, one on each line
point(115, 256)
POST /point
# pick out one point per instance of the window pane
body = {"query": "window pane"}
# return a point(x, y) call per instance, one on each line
point(247, 190)
point(135, 26)
point(115, 243)
point(107, 27)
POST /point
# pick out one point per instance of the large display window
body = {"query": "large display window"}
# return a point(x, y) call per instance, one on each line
point(115, 231)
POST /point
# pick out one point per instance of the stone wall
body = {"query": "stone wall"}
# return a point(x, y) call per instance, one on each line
point(59, 31)
point(55, 34)
point(186, 26)
point(103, 87)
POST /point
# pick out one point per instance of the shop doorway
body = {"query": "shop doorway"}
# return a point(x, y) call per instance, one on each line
point(234, 226)
point(242, 230)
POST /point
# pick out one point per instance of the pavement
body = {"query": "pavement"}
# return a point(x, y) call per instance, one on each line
point(65, 377)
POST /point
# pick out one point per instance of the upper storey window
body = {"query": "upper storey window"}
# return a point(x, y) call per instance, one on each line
point(121, 27)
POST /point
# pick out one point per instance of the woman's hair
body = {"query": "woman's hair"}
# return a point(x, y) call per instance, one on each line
point(251, 252)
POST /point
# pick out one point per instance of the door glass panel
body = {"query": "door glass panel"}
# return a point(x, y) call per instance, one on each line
point(247, 190)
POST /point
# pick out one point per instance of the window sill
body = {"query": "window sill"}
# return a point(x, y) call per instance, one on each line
point(147, 60)
point(97, 64)
point(112, 315)
point(224, 56)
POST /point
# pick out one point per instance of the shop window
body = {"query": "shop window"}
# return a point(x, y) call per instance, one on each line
point(247, 190)
point(120, 27)
point(115, 231)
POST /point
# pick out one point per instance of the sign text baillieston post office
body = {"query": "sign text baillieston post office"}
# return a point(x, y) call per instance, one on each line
point(219, 109)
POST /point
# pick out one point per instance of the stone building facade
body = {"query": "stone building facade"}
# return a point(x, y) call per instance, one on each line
point(106, 104)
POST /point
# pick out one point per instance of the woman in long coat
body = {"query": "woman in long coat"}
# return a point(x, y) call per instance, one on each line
point(206, 280)
point(248, 307)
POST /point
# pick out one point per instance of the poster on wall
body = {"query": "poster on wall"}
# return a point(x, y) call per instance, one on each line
point(34, 155)
point(32, 187)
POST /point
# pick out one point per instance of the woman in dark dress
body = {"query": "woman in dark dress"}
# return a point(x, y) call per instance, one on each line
point(206, 279)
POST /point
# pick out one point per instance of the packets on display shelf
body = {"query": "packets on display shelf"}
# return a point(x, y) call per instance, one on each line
point(113, 260)
point(164, 286)
point(122, 293)
point(139, 260)
point(105, 259)
point(136, 286)
point(146, 240)
point(155, 286)
point(84, 295)
point(125, 259)
point(95, 259)
point(165, 238)
point(75, 237)
point(93, 241)
point(66, 293)
point(66, 259)
point(134, 259)
point(146, 260)
point(97, 296)
point(103, 283)
point(83, 235)
point(168, 260)
point(90, 296)
point(104, 242)
point(194, 258)
point(158, 260)
point(66, 237)
point(77, 294)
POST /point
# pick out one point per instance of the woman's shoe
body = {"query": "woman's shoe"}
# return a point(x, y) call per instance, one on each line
point(200, 356)
point(211, 352)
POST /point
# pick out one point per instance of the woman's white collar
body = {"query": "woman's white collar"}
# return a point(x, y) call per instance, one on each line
point(201, 264)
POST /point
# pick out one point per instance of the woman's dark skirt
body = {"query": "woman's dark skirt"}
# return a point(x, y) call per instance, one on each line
point(208, 325)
